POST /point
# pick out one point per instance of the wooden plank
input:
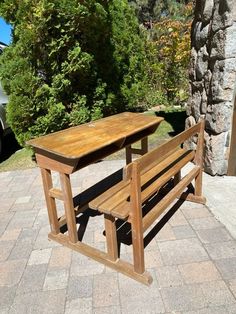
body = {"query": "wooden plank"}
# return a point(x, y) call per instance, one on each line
point(69, 207)
point(169, 198)
point(56, 193)
point(167, 175)
point(50, 162)
point(199, 160)
point(99, 256)
point(111, 237)
point(165, 148)
point(79, 141)
point(51, 204)
point(136, 221)
point(95, 203)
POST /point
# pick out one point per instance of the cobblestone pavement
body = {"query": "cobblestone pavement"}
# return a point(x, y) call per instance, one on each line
point(192, 259)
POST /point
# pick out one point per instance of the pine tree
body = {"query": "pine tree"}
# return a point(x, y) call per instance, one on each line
point(70, 61)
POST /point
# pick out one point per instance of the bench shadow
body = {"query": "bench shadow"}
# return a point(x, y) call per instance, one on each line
point(124, 234)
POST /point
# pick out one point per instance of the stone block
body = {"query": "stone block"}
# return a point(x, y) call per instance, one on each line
point(208, 6)
point(221, 250)
point(80, 305)
point(168, 276)
point(222, 17)
point(214, 159)
point(227, 267)
point(79, 287)
point(182, 251)
point(199, 272)
point(106, 290)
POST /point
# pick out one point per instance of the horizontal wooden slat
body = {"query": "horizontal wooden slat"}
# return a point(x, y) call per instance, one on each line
point(56, 193)
point(121, 186)
point(162, 150)
point(169, 198)
point(167, 175)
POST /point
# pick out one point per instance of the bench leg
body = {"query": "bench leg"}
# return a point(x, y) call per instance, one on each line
point(111, 237)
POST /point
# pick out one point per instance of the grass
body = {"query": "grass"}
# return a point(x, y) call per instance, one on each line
point(16, 158)
point(21, 159)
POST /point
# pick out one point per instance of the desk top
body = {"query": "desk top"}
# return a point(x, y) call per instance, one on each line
point(76, 142)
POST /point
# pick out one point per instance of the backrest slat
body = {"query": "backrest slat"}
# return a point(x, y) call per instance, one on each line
point(160, 152)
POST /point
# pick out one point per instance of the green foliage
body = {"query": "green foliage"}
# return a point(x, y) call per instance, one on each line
point(168, 53)
point(70, 62)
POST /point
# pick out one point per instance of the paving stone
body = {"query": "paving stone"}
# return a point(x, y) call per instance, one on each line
point(60, 257)
point(42, 241)
point(5, 249)
point(7, 295)
point(232, 286)
point(137, 298)
point(45, 302)
point(56, 279)
point(6, 203)
point(23, 199)
point(84, 266)
point(220, 250)
point(23, 219)
point(10, 235)
point(216, 293)
point(178, 219)
point(166, 233)
point(212, 310)
point(32, 279)
point(4, 221)
point(227, 267)
point(168, 276)
point(195, 211)
point(82, 305)
point(183, 232)
point(40, 256)
point(183, 298)
point(107, 310)
point(199, 272)
point(11, 272)
point(79, 287)
point(28, 235)
point(182, 251)
point(21, 250)
point(105, 290)
point(153, 259)
point(214, 235)
point(204, 223)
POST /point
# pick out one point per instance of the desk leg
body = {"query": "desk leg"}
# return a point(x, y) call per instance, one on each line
point(69, 207)
point(50, 201)
point(140, 151)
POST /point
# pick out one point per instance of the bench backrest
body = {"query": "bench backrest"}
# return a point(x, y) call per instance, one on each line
point(153, 170)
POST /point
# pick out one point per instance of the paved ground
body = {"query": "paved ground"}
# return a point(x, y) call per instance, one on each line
point(192, 258)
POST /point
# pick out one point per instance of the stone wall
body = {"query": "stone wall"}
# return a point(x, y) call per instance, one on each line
point(213, 77)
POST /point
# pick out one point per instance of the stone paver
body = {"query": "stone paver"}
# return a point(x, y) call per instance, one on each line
point(192, 259)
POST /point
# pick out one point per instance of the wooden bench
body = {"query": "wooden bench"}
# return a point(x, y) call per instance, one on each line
point(143, 179)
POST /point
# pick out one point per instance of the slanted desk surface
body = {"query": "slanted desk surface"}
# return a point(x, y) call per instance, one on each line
point(119, 130)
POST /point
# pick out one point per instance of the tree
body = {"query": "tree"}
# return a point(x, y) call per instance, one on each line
point(70, 61)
